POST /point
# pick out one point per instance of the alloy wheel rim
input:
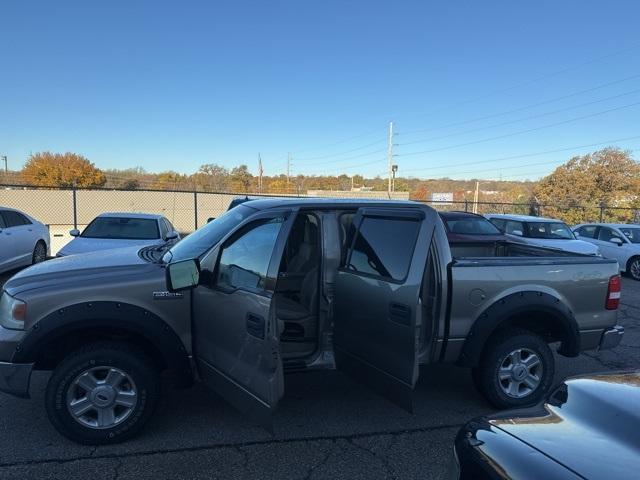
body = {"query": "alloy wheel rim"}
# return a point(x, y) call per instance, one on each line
point(102, 397)
point(520, 373)
point(40, 254)
point(635, 269)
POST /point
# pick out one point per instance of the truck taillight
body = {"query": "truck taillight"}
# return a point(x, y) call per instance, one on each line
point(613, 293)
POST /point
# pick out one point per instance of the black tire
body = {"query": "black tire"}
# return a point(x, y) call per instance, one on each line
point(118, 357)
point(496, 356)
point(633, 268)
point(39, 253)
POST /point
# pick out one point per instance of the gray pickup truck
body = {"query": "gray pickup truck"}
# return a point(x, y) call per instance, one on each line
point(369, 287)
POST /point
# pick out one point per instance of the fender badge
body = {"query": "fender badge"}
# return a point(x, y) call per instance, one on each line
point(166, 295)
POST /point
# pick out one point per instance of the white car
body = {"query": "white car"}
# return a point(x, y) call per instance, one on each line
point(23, 239)
point(618, 241)
point(542, 232)
point(119, 230)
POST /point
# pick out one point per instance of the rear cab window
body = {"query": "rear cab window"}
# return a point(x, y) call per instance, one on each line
point(383, 247)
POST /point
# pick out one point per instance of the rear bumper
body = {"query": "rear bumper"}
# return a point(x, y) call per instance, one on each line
point(611, 337)
point(15, 378)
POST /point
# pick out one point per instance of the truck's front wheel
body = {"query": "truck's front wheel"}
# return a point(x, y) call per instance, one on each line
point(516, 369)
point(103, 393)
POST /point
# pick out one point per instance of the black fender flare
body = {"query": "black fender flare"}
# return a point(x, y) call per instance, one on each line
point(106, 315)
point(518, 304)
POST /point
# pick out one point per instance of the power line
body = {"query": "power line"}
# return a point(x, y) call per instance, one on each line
point(525, 155)
point(343, 152)
point(520, 132)
point(347, 158)
point(355, 137)
point(535, 80)
point(526, 107)
point(522, 119)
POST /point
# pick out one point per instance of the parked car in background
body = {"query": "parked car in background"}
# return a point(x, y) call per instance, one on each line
point(543, 232)
point(618, 241)
point(588, 428)
point(23, 239)
point(118, 230)
point(465, 227)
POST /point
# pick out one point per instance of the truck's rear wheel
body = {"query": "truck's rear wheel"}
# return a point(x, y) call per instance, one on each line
point(516, 369)
point(103, 393)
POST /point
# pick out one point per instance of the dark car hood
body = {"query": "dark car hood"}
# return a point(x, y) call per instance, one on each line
point(86, 267)
point(590, 424)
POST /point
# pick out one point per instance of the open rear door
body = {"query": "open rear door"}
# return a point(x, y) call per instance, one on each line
point(235, 334)
point(377, 309)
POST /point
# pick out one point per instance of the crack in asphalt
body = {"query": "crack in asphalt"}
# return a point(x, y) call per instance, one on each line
point(236, 446)
point(321, 463)
point(383, 460)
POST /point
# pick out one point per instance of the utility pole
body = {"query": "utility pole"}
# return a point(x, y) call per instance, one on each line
point(390, 155)
point(288, 167)
point(475, 198)
point(260, 171)
point(4, 159)
point(394, 169)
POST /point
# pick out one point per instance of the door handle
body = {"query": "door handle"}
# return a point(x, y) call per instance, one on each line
point(400, 313)
point(255, 325)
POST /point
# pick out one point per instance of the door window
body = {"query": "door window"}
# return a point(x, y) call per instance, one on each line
point(383, 247)
point(14, 219)
point(588, 231)
point(606, 234)
point(498, 223)
point(514, 228)
point(244, 261)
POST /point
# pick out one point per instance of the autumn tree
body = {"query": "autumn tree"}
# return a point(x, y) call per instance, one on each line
point(212, 177)
point(241, 179)
point(574, 191)
point(171, 181)
point(61, 170)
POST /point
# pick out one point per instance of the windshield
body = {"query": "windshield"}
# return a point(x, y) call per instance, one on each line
point(472, 226)
point(124, 228)
point(550, 230)
point(632, 233)
point(194, 245)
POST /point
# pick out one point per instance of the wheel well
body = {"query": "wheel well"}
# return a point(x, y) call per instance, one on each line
point(56, 349)
point(628, 265)
point(541, 323)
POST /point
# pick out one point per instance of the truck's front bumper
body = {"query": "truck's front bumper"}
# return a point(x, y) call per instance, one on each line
point(611, 337)
point(15, 378)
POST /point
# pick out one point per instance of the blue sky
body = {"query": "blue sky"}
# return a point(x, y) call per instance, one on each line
point(173, 85)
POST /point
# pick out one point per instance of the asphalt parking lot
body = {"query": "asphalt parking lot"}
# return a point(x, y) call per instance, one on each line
point(326, 427)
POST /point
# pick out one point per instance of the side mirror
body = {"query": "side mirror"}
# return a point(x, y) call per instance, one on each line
point(74, 233)
point(616, 240)
point(183, 275)
point(517, 232)
point(172, 235)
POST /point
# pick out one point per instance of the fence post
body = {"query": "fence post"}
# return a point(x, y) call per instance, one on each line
point(466, 205)
point(195, 208)
point(75, 207)
point(602, 205)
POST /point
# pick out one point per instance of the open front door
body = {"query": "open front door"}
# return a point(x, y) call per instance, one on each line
point(377, 309)
point(235, 334)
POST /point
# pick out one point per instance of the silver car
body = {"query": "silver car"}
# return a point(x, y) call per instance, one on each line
point(618, 241)
point(542, 232)
point(23, 239)
point(119, 230)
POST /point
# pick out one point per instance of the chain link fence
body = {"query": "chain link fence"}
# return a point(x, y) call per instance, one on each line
point(63, 209)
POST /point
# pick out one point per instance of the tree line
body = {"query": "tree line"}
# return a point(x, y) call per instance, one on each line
point(574, 191)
